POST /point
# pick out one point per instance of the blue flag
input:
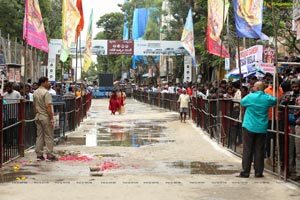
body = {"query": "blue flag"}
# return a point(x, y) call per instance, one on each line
point(248, 18)
point(125, 26)
point(187, 37)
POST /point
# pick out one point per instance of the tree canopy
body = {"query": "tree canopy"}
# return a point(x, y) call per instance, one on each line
point(12, 15)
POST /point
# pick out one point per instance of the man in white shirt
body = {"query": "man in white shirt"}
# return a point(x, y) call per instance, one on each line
point(184, 100)
point(12, 96)
point(52, 91)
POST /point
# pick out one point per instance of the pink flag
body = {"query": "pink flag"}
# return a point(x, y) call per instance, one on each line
point(33, 28)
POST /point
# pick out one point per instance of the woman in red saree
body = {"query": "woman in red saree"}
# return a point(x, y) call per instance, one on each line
point(114, 105)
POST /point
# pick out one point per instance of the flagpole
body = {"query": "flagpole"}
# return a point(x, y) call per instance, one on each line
point(76, 57)
point(25, 63)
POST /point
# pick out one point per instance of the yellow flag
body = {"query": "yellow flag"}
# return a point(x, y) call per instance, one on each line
point(88, 47)
point(70, 20)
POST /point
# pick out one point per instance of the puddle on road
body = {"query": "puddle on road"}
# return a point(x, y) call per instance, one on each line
point(127, 134)
point(209, 168)
point(12, 176)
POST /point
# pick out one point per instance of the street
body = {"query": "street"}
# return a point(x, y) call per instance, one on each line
point(145, 153)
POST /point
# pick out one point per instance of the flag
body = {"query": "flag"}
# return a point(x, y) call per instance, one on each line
point(81, 22)
point(248, 18)
point(88, 47)
point(215, 23)
point(139, 22)
point(70, 20)
point(125, 26)
point(33, 27)
point(187, 37)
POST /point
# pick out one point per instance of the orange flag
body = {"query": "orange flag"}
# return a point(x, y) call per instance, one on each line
point(81, 22)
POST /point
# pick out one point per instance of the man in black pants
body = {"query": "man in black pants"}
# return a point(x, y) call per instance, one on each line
point(255, 125)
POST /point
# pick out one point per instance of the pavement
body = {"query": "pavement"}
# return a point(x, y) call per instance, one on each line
point(145, 153)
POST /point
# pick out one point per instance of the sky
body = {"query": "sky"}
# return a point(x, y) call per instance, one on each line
point(100, 7)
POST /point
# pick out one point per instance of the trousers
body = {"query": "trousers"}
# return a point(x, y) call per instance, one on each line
point(253, 150)
point(45, 136)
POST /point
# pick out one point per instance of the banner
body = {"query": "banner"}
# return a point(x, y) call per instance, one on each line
point(248, 18)
point(187, 37)
point(70, 20)
point(214, 27)
point(33, 28)
point(81, 22)
point(250, 56)
point(88, 47)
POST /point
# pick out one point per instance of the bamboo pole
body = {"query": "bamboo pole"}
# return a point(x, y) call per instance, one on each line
point(275, 80)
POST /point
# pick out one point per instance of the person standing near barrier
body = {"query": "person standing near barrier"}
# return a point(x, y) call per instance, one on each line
point(11, 95)
point(290, 99)
point(255, 126)
point(184, 100)
point(44, 120)
point(271, 116)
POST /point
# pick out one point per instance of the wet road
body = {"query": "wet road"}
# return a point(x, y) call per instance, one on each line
point(145, 153)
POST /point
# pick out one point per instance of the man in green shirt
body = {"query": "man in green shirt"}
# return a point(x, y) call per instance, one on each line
point(255, 125)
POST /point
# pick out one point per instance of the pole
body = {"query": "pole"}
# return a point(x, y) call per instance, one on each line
point(239, 62)
point(76, 57)
point(62, 72)
point(277, 87)
point(25, 62)
point(16, 50)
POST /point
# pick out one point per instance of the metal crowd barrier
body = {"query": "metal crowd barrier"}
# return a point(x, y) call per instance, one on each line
point(18, 129)
point(221, 119)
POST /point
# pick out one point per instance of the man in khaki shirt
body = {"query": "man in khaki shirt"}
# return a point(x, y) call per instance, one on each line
point(44, 120)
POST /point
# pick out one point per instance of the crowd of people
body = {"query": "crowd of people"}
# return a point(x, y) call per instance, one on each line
point(12, 90)
point(287, 92)
point(251, 89)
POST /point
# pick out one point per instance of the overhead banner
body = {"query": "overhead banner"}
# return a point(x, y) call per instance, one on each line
point(156, 48)
point(250, 56)
point(127, 47)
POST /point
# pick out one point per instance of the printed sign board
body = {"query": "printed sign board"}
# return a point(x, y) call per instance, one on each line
point(120, 47)
point(250, 56)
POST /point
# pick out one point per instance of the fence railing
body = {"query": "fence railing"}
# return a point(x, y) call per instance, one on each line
point(221, 119)
point(18, 129)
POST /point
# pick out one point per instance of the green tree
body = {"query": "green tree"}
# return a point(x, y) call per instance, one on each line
point(112, 25)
